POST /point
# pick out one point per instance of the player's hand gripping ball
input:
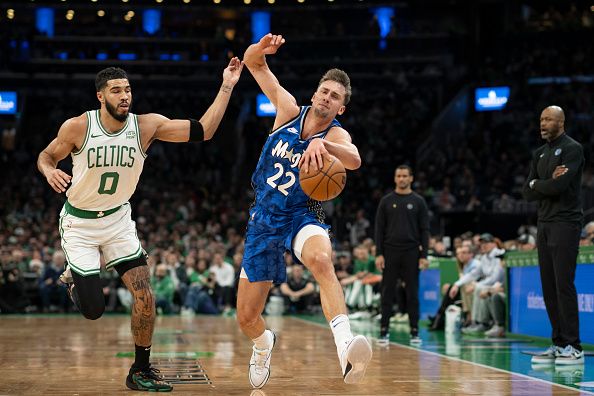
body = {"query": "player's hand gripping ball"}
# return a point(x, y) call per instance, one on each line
point(326, 183)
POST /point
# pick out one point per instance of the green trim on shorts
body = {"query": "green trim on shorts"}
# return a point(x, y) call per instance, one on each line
point(83, 272)
point(61, 229)
point(74, 268)
point(117, 261)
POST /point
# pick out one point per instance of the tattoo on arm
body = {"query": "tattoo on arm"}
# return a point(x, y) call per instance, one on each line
point(226, 88)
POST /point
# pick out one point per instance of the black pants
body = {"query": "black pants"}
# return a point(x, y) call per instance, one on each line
point(557, 245)
point(401, 264)
point(446, 301)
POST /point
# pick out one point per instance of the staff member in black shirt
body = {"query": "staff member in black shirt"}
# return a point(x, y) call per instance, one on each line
point(402, 239)
point(555, 182)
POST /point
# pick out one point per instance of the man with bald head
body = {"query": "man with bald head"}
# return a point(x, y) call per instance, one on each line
point(555, 182)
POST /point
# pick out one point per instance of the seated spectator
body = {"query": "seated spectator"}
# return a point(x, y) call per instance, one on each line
point(12, 291)
point(526, 243)
point(199, 296)
point(495, 296)
point(49, 289)
point(224, 275)
point(343, 266)
point(485, 274)
point(466, 264)
point(163, 289)
point(360, 286)
point(587, 237)
point(297, 290)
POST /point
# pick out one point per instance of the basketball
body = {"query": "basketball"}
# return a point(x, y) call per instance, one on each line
point(326, 183)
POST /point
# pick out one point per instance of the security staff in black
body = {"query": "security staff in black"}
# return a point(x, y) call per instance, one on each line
point(555, 182)
point(402, 239)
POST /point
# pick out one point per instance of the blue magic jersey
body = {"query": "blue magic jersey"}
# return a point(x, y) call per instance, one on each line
point(276, 178)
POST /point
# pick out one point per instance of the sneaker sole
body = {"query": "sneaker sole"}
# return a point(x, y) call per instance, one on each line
point(132, 385)
point(538, 360)
point(569, 362)
point(268, 376)
point(359, 355)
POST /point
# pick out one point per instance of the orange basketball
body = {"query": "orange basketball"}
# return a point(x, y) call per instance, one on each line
point(326, 183)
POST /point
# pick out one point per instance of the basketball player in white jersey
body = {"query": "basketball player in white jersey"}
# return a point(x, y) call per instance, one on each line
point(108, 148)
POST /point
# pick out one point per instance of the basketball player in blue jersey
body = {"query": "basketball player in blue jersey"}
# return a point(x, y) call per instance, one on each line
point(108, 147)
point(284, 218)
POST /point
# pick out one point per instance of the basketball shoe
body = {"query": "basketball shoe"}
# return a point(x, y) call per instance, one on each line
point(147, 380)
point(354, 358)
point(259, 370)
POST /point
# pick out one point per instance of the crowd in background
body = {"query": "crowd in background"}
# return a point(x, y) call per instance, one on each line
point(192, 201)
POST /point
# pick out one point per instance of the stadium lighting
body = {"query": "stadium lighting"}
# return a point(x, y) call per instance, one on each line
point(10, 13)
point(101, 13)
point(216, 1)
point(270, 1)
point(187, 1)
point(247, 1)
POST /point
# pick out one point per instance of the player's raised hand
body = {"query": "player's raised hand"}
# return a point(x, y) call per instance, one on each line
point(270, 43)
point(232, 72)
point(58, 180)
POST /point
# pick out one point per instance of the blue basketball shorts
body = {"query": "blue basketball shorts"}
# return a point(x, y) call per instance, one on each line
point(267, 239)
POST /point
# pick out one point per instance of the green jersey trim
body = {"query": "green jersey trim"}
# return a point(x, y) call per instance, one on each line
point(116, 133)
point(87, 134)
point(138, 137)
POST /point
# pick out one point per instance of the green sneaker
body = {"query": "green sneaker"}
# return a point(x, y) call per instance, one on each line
point(147, 380)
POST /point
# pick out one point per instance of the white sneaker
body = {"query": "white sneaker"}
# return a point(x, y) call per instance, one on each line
point(548, 356)
point(354, 359)
point(569, 356)
point(259, 370)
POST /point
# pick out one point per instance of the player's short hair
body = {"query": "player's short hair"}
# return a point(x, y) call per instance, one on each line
point(340, 77)
point(404, 166)
point(110, 73)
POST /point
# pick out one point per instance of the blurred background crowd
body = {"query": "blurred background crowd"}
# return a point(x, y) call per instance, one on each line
point(413, 77)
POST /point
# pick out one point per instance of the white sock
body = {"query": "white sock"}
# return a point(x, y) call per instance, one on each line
point(264, 341)
point(341, 328)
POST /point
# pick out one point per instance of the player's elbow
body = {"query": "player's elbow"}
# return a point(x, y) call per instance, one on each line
point(353, 163)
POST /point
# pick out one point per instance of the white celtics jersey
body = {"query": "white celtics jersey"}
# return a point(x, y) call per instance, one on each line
point(106, 169)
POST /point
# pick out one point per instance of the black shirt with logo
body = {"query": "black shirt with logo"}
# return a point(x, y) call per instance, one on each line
point(402, 223)
point(560, 198)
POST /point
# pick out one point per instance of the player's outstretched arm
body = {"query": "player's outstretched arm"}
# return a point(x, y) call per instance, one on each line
point(179, 130)
point(255, 60)
point(58, 149)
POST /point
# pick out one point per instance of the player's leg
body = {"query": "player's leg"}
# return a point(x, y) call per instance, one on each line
point(122, 251)
point(82, 272)
point(136, 276)
point(311, 246)
point(251, 300)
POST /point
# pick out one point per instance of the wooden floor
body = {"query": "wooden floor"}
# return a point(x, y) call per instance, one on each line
point(69, 355)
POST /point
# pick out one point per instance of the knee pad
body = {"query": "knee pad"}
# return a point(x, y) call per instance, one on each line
point(89, 294)
point(126, 266)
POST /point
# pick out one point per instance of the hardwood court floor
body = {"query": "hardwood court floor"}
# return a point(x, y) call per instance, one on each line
point(68, 355)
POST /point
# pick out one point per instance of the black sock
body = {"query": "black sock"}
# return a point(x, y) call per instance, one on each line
point(142, 355)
